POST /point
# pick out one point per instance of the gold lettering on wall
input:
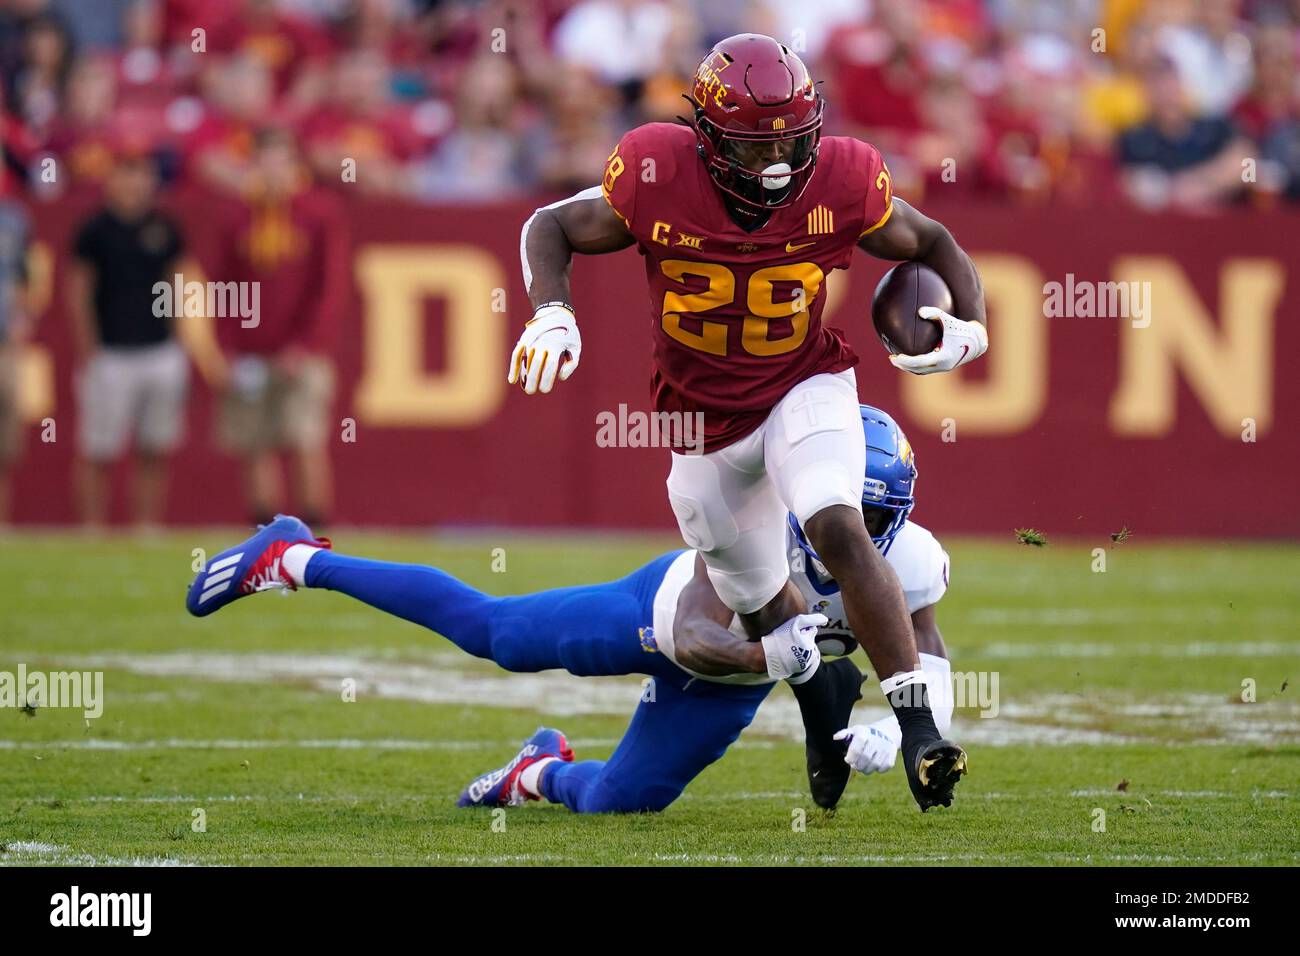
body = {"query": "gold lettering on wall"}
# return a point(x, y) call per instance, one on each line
point(1229, 369)
point(395, 388)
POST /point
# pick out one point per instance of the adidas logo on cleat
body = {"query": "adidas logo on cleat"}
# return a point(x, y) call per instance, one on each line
point(219, 576)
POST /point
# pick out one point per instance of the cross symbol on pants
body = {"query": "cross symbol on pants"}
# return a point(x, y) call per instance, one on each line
point(810, 400)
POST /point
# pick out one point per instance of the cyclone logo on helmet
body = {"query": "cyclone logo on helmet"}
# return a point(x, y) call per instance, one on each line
point(757, 121)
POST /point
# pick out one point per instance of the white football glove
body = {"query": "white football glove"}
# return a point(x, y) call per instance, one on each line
point(870, 751)
point(962, 342)
point(549, 345)
point(791, 650)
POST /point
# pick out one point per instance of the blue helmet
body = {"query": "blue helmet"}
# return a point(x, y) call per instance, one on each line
point(890, 486)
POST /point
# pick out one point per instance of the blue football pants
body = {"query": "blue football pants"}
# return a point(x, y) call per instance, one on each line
point(676, 731)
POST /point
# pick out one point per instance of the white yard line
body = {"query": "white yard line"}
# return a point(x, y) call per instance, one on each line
point(1183, 794)
point(32, 853)
point(688, 796)
point(179, 743)
point(1125, 616)
point(1052, 719)
point(1029, 650)
point(38, 854)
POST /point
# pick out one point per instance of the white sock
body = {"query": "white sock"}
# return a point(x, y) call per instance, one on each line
point(905, 679)
point(938, 689)
point(938, 680)
point(295, 561)
point(530, 778)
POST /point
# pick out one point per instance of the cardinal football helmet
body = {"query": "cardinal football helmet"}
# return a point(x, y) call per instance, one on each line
point(758, 120)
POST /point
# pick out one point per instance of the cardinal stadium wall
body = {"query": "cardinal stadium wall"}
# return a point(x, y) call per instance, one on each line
point(1182, 422)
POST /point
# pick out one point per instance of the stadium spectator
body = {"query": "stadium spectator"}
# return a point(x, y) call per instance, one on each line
point(1212, 54)
point(362, 124)
point(571, 149)
point(147, 78)
point(622, 42)
point(1016, 92)
point(956, 148)
point(808, 25)
point(483, 158)
point(220, 150)
point(876, 71)
point(1040, 150)
point(387, 28)
point(14, 331)
point(94, 26)
point(83, 135)
point(661, 94)
point(293, 48)
point(134, 376)
point(1043, 102)
point(36, 87)
point(1113, 95)
point(1177, 157)
point(1270, 114)
point(287, 239)
point(19, 148)
point(1272, 100)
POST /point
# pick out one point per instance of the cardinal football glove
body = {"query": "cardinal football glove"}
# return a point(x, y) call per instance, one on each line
point(962, 342)
point(549, 345)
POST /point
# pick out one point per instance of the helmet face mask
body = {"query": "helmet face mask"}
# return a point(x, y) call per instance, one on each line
point(744, 160)
point(878, 520)
point(885, 517)
point(756, 111)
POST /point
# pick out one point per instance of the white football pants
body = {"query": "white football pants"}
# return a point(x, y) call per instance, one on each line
point(731, 504)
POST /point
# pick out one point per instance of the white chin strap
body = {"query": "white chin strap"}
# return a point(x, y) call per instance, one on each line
point(776, 176)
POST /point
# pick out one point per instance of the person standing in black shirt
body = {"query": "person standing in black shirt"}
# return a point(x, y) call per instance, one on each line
point(134, 378)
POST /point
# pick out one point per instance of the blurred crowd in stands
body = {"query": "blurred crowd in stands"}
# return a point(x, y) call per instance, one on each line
point(1184, 103)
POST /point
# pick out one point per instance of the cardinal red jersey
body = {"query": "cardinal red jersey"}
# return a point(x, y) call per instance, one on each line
point(736, 315)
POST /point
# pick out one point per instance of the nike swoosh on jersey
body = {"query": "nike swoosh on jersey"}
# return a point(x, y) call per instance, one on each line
point(791, 247)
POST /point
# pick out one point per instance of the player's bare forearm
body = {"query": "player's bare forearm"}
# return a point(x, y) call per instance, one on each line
point(550, 346)
point(925, 624)
point(701, 639)
point(551, 236)
point(910, 235)
point(709, 648)
point(549, 255)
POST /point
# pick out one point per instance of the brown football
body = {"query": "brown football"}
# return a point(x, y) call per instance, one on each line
point(904, 289)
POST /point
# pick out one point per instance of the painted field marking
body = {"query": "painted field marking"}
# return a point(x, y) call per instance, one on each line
point(1050, 719)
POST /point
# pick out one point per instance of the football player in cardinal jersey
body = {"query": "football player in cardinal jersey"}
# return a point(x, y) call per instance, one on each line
point(740, 213)
point(662, 620)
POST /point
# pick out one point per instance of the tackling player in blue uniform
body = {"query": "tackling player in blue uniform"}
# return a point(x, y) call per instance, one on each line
point(663, 620)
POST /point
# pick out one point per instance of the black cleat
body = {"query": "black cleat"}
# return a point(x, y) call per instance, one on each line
point(828, 774)
point(934, 773)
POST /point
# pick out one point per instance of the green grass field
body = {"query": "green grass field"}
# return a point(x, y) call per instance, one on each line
point(1135, 675)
